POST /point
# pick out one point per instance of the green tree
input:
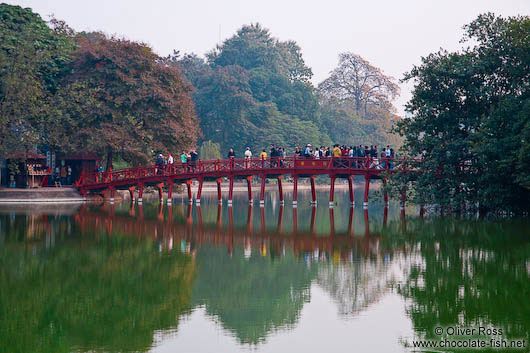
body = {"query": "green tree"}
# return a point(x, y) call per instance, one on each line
point(470, 119)
point(33, 58)
point(252, 91)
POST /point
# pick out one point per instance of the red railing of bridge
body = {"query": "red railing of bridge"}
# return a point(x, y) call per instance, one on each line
point(245, 167)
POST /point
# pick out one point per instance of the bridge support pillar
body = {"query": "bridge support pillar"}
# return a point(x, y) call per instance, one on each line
point(332, 192)
point(350, 187)
point(188, 185)
point(199, 192)
point(313, 191)
point(140, 192)
point(262, 191)
point(230, 191)
point(159, 186)
point(131, 193)
point(249, 188)
point(280, 188)
point(366, 190)
point(219, 194)
point(169, 191)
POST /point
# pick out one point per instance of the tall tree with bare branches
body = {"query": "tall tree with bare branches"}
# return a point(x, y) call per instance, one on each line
point(361, 83)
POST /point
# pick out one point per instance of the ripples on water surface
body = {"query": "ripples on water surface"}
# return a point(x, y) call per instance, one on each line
point(211, 279)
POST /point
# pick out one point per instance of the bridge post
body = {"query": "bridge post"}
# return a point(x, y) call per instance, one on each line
point(249, 188)
point(169, 191)
point(280, 189)
point(188, 185)
point(313, 191)
point(295, 190)
point(140, 192)
point(350, 187)
point(332, 192)
point(199, 191)
point(230, 191)
point(366, 189)
point(219, 194)
point(262, 192)
point(131, 193)
point(160, 191)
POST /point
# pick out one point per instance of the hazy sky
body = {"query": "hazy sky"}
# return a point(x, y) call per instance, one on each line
point(391, 34)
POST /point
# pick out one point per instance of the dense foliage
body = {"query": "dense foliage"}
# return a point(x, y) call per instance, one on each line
point(470, 119)
point(254, 90)
point(68, 91)
point(33, 58)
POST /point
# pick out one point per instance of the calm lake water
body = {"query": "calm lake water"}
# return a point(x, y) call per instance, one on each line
point(249, 279)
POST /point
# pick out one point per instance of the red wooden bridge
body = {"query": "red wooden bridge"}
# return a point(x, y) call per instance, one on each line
point(138, 178)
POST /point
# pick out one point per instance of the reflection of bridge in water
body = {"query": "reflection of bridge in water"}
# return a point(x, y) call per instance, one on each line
point(169, 231)
point(355, 267)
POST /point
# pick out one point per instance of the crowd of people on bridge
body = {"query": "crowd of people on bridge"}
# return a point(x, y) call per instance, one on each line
point(373, 157)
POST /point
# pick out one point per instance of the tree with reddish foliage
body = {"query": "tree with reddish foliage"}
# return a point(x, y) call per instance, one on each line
point(140, 106)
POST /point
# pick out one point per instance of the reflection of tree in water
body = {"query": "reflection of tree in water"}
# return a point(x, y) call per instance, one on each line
point(251, 298)
point(472, 273)
point(110, 295)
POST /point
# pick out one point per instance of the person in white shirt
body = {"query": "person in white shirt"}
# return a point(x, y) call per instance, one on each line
point(248, 153)
point(170, 159)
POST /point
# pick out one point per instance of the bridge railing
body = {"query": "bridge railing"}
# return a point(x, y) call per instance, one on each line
point(276, 164)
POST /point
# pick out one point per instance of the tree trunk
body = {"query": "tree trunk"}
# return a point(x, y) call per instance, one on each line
point(109, 160)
